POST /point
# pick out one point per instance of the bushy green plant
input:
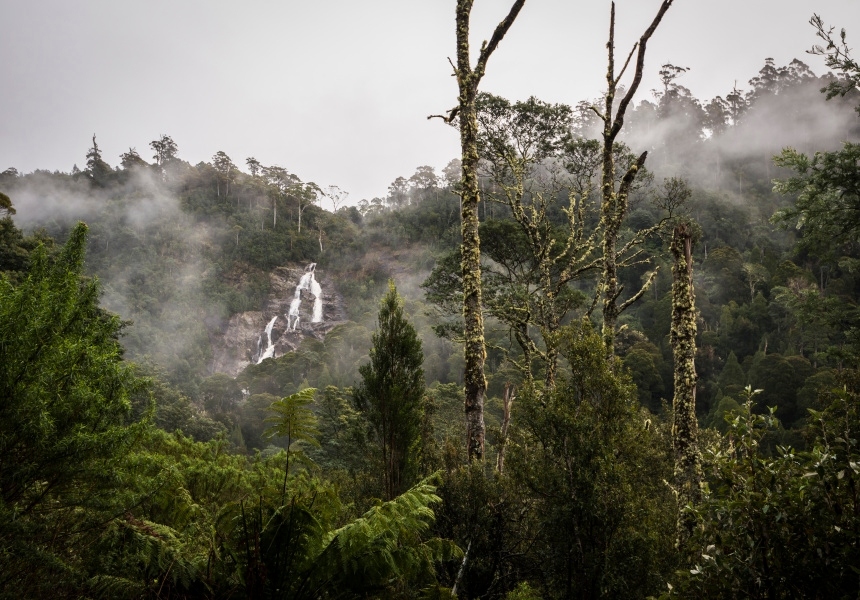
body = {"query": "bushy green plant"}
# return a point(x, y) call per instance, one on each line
point(782, 525)
point(64, 409)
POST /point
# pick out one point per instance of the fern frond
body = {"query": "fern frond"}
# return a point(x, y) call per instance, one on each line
point(293, 419)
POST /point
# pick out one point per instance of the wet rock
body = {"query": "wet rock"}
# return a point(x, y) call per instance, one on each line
point(242, 338)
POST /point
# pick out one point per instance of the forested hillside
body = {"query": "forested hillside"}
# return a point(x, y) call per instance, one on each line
point(339, 463)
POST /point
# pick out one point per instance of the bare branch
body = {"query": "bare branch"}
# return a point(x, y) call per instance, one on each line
point(640, 65)
point(626, 63)
point(452, 114)
point(597, 112)
point(651, 276)
point(597, 293)
point(501, 29)
point(630, 175)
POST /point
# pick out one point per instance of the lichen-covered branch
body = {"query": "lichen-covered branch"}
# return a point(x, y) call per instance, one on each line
point(533, 165)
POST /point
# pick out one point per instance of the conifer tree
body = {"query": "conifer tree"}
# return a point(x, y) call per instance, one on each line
point(97, 169)
point(391, 394)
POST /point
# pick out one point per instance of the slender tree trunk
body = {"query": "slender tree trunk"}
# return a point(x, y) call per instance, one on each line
point(614, 199)
point(475, 354)
point(474, 351)
point(685, 432)
point(507, 402)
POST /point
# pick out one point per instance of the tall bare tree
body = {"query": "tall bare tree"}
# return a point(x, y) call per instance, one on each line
point(336, 195)
point(615, 192)
point(468, 79)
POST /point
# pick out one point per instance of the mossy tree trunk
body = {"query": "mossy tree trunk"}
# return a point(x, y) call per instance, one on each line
point(475, 354)
point(685, 431)
point(615, 194)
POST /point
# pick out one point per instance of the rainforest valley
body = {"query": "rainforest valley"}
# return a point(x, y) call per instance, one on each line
point(223, 381)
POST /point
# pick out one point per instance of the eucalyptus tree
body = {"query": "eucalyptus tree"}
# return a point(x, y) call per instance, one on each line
point(468, 79)
point(398, 193)
point(254, 166)
point(165, 150)
point(527, 151)
point(6, 208)
point(131, 159)
point(280, 183)
point(615, 194)
point(226, 171)
point(424, 179)
point(336, 195)
point(304, 195)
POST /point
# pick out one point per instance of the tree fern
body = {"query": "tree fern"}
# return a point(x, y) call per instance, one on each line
point(294, 421)
point(387, 541)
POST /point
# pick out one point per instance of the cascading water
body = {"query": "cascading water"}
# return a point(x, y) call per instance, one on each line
point(270, 349)
point(316, 290)
point(307, 282)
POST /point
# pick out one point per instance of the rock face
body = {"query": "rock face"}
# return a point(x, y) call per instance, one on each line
point(242, 340)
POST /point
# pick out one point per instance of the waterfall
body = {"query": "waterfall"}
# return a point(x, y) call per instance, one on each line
point(307, 282)
point(270, 349)
point(316, 290)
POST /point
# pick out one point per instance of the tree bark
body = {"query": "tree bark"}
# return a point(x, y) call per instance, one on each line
point(685, 431)
point(474, 351)
point(614, 200)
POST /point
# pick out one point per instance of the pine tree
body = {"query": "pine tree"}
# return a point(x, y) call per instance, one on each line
point(97, 169)
point(391, 393)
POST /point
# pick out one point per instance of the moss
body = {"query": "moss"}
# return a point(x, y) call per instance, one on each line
point(688, 467)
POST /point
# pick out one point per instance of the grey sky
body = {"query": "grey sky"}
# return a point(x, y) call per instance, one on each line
point(337, 91)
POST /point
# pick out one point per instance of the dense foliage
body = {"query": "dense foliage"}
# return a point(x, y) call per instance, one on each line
point(130, 468)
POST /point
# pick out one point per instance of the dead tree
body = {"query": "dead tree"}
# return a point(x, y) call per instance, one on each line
point(614, 192)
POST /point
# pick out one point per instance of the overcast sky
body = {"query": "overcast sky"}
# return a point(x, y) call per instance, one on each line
point(338, 91)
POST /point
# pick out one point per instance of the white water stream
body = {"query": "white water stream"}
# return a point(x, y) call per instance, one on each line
point(307, 282)
point(270, 349)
